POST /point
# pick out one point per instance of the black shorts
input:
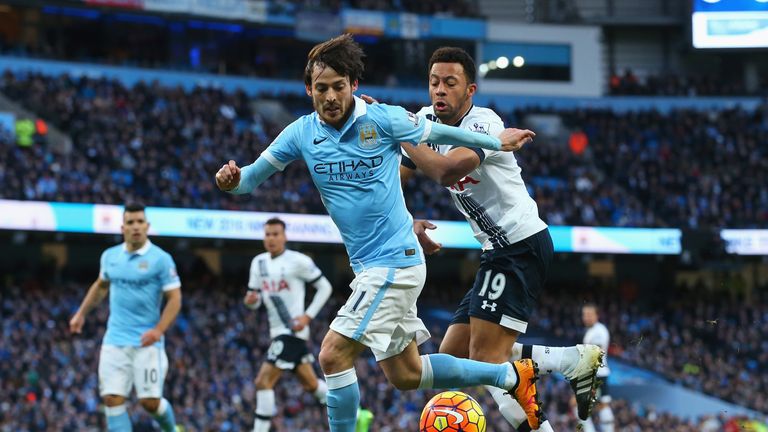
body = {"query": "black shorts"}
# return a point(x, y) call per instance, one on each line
point(288, 352)
point(508, 284)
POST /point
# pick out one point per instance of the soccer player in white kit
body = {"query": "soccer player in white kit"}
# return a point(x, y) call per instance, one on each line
point(488, 190)
point(352, 151)
point(597, 334)
point(277, 280)
point(136, 275)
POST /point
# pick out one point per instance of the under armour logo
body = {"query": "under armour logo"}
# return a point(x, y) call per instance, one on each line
point(492, 306)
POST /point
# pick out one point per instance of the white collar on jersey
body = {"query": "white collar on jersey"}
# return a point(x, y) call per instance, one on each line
point(140, 251)
point(361, 108)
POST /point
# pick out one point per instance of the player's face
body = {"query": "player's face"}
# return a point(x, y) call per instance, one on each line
point(135, 228)
point(588, 316)
point(274, 239)
point(450, 92)
point(331, 95)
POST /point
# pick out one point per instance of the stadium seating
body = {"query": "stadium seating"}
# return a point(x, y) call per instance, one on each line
point(47, 373)
point(161, 145)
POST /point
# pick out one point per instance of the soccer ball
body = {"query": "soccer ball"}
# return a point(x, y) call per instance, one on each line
point(452, 411)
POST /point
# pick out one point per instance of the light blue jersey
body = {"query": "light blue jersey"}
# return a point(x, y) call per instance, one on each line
point(356, 169)
point(137, 281)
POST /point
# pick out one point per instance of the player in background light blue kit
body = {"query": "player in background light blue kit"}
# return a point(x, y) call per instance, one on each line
point(137, 275)
point(352, 151)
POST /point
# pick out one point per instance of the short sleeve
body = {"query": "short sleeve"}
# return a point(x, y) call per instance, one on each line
point(492, 127)
point(253, 278)
point(169, 276)
point(285, 148)
point(308, 270)
point(103, 273)
point(405, 125)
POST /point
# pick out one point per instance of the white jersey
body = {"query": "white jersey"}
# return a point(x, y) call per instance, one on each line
point(493, 197)
point(281, 281)
point(598, 335)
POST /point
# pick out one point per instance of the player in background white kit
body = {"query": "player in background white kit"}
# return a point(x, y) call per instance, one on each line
point(277, 280)
point(597, 334)
point(137, 276)
point(487, 188)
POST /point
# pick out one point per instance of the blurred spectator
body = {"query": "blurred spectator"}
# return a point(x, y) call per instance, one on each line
point(48, 377)
point(160, 145)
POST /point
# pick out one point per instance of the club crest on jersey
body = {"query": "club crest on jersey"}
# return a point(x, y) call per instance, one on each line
point(480, 127)
point(369, 136)
point(143, 266)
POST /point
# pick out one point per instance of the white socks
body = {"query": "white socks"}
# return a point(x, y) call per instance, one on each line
point(265, 409)
point(321, 391)
point(550, 359)
point(512, 411)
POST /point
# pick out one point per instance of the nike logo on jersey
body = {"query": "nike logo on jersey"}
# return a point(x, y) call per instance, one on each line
point(457, 416)
point(317, 141)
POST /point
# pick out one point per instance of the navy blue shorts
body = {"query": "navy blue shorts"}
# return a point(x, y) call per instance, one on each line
point(289, 352)
point(508, 284)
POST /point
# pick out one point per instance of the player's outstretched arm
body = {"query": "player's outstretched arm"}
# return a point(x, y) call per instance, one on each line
point(508, 140)
point(233, 179)
point(444, 169)
point(96, 293)
point(170, 311)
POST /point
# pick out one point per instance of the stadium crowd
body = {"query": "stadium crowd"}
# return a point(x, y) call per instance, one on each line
point(160, 145)
point(706, 342)
point(627, 83)
point(216, 346)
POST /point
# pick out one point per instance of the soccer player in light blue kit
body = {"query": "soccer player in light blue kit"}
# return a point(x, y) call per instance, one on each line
point(137, 275)
point(352, 151)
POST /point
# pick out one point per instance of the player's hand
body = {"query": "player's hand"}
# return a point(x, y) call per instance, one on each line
point(514, 139)
point(420, 227)
point(252, 297)
point(301, 322)
point(76, 323)
point(150, 337)
point(228, 176)
point(368, 99)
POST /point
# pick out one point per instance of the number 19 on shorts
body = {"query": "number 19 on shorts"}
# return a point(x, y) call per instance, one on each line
point(493, 285)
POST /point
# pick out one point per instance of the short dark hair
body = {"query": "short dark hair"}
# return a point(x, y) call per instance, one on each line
point(275, 221)
point(133, 207)
point(592, 305)
point(454, 55)
point(341, 53)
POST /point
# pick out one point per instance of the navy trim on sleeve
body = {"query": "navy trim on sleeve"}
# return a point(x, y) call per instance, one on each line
point(479, 151)
point(315, 279)
point(408, 163)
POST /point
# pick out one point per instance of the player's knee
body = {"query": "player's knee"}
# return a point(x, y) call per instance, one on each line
point(150, 405)
point(309, 387)
point(113, 400)
point(261, 383)
point(333, 359)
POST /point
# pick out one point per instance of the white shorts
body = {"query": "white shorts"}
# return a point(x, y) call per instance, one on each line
point(381, 312)
point(122, 367)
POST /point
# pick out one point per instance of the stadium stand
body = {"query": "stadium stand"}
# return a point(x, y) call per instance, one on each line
point(626, 170)
point(51, 372)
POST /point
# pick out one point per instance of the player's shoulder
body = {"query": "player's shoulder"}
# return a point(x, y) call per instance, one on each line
point(427, 110)
point(159, 252)
point(258, 257)
point(113, 250)
point(297, 256)
point(480, 118)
